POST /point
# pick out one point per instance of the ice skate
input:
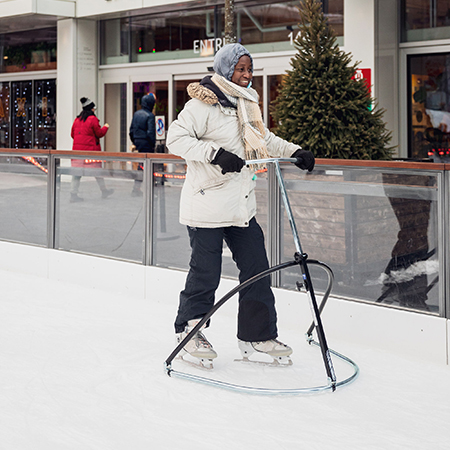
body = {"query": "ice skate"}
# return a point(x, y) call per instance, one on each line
point(274, 348)
point(199, 348)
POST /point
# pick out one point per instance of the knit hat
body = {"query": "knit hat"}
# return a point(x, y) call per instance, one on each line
point(87, 104)
point(227, 57)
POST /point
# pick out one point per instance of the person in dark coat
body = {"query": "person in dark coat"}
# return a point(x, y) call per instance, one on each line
point(143, 133)
point(86, 133)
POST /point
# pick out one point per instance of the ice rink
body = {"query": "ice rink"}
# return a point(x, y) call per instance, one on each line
point(82, 369)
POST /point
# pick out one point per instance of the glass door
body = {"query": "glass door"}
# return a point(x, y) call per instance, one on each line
point(45, 114)
point(4, 115)
point(22, 114)
point(429, 105)
point(160, 89)
point(116, 117)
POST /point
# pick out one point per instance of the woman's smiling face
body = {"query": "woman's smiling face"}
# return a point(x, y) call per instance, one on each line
point(243, 72)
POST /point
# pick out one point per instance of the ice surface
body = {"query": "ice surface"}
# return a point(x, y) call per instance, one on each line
point(82, 369)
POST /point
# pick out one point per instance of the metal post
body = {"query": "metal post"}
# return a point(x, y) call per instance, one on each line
point(51, 200)
point(148, 210)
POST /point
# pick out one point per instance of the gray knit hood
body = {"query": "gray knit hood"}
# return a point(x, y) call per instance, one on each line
point(227, 57)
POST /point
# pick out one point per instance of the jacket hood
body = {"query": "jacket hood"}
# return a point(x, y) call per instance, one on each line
point(148, 102)
point(227, 57)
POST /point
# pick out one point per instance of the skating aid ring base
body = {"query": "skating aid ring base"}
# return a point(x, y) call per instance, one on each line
point(267, 391)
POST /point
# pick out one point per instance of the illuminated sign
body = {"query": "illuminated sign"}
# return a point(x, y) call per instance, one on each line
point(207, 47)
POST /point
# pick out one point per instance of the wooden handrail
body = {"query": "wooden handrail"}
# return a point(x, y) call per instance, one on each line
point(319, 161)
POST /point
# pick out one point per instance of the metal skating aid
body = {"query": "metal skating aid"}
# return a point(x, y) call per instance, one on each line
point(301, 260)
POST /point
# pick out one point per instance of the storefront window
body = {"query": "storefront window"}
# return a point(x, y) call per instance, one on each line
point(28, 114)
point(28, 50)
point(193, 33)
point(429, 105)
point(274, 26)
point(114, 41)
point(425, 20)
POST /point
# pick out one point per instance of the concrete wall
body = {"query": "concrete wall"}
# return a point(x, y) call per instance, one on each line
point(62, 8)
point(87, 8)
point(409, 334)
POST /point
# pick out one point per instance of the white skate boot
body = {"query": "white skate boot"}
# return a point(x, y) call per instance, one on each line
point(198, 347)
point(277, 350)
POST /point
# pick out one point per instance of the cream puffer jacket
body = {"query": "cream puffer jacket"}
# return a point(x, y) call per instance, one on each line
point(210, 199)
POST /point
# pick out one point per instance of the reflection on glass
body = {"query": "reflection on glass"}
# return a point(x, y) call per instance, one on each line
point(23, 199)
point(381, 242)
point(45, 114)
point(406, 277)
point(4, 115)
point(112, 224)
point(429, 106)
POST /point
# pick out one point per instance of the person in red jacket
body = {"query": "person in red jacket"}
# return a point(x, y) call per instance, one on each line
point(86, 133)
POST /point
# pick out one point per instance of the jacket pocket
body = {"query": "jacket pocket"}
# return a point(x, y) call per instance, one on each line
point(211, 185)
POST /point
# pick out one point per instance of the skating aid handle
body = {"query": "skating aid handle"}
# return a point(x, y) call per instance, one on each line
point(271, 160)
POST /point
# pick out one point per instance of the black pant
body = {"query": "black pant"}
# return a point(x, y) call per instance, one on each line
point(257, 318)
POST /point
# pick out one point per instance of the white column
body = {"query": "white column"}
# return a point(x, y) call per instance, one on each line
point(359, 33)
point(66, 83)
point(386, 67)
point(76, 74)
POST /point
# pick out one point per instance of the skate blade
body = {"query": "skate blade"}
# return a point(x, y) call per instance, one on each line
point(280, 361)
point(201, 363)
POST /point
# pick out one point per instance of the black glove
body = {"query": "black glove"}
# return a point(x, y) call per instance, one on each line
point(305, 159)
point(228, 161)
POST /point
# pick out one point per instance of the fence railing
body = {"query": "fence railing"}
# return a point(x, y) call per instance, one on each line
point(382, 226)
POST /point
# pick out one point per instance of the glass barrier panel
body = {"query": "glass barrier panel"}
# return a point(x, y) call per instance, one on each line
point(170, 240)
point(23, 199)
point(100, 207)
point(376, 229)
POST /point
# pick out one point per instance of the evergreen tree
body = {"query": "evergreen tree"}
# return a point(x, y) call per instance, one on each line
point(319, 105)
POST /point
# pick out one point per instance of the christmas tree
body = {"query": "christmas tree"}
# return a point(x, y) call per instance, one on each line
point(319, 106)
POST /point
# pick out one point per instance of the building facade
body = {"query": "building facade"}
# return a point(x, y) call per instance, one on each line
point(114, 51)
